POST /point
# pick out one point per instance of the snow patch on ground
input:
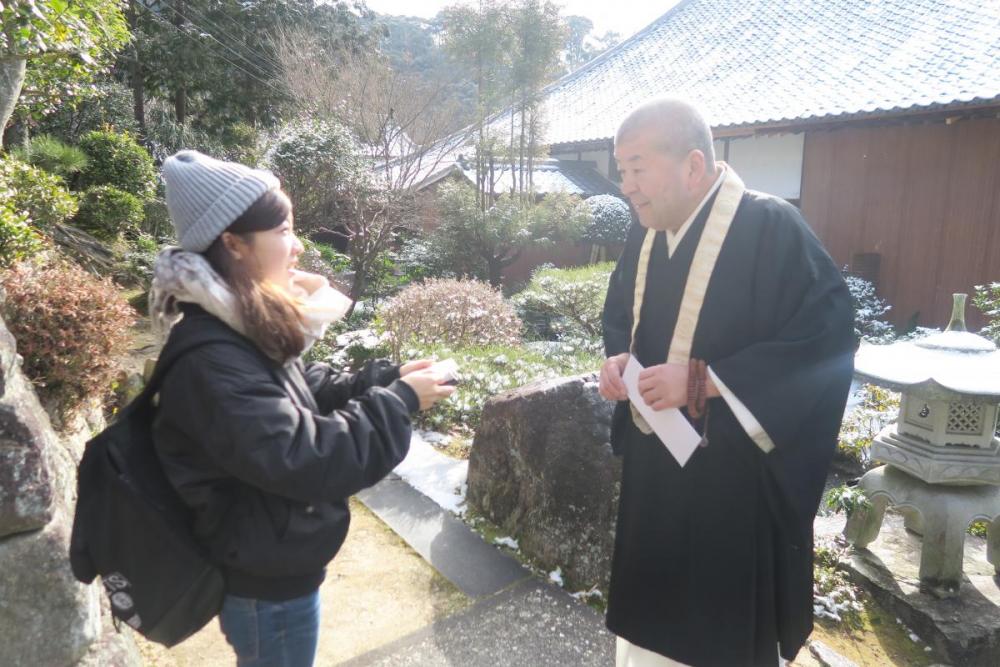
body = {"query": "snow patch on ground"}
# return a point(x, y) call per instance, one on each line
point(583, 596)
point(508, 542)
point(437, 476)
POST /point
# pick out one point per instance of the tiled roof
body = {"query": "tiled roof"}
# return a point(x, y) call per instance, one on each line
point(752, 62)
point(548, 176)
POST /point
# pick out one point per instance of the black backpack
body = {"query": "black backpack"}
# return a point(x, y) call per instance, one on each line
point(133, 530)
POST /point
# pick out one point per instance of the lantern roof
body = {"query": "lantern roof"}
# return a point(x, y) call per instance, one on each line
point(958, 362)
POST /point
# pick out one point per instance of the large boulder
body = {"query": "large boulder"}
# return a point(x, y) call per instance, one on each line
point(26, 493)
point(542, 469)
point(46, 616)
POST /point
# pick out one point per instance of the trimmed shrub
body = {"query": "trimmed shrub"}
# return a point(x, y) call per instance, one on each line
point(51, 155)
point(458, 313)
point(610, 220)
point(566, 304)
point(108, 213)
point(117, 160)
point(18, 241)
point(70, 328)
point(42, 197)
point(868, 311)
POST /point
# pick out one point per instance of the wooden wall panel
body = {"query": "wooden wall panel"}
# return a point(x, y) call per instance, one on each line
point(926, 197)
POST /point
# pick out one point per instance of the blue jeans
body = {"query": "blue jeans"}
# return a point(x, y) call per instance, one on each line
point(272, 634)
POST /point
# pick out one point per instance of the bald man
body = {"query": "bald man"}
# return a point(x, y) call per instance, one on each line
point(743, 322)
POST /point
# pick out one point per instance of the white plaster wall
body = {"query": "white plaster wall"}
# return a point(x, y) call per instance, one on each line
point(600, 158)
point(769, 163)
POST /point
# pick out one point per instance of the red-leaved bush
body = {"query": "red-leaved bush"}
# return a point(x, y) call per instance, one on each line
point(457, 313)
point(70, 328)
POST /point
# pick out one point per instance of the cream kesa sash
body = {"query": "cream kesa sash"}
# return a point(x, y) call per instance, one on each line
point(705, 256)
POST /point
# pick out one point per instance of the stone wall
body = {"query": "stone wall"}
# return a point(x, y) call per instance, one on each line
point(542, 469)
point(46, 617)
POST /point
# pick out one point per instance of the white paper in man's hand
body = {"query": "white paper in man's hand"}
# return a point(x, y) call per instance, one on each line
point(670, 426)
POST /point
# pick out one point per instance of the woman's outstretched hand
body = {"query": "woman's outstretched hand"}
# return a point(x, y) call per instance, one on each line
point(411, 366)
point(427, 385)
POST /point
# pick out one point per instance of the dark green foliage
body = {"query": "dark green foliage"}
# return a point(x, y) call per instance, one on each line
point(868, 312)
point(565, 304)
point(118, 160)
point(987, 299)
point(482, 244)
point(51, 155)
point(42, 197)
point(18, 241)
point(220, 60)
point(323, 171)
point(107, 105)
point(846, 499)
point(135, 268)
point(156, 220)
point(108, 213)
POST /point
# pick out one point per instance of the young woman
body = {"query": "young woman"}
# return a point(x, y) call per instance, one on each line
point(265, 450)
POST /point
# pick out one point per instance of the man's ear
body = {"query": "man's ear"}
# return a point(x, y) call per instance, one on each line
point(696, 166)
point(234, 245)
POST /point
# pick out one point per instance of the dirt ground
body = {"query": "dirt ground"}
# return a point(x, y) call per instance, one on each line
point(377, 590)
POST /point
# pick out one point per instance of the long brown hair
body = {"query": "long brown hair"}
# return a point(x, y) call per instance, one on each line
point(271, 317)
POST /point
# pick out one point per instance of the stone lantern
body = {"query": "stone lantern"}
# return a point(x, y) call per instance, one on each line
point(942, 457)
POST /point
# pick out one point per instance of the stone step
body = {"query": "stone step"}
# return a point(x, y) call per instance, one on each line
point(451, 547)
point(516, 619)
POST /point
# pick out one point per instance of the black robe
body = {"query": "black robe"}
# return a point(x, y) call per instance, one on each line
point(713, 561)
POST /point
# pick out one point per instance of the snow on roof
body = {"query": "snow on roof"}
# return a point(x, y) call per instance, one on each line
point(548, 176)
point(753, 62)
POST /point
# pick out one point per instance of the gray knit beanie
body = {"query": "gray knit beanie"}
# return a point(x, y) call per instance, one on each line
point(205, 195)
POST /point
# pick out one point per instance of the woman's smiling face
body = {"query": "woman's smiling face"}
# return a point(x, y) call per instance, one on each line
point(276, 252)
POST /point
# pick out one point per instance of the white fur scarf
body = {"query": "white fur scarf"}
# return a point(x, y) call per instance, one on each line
point(181, 276)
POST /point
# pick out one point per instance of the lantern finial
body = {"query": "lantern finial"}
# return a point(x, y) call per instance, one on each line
point(957, 322)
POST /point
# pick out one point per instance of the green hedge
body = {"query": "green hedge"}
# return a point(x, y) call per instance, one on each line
point(108, 213)
point(18, 240)
point(117, 160)
point(40, 196)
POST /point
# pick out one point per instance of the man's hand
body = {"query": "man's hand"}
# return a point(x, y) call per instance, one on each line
point(664, 386)
point(612, 387)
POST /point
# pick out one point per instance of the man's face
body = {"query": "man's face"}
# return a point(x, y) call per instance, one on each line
point(655, 182)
